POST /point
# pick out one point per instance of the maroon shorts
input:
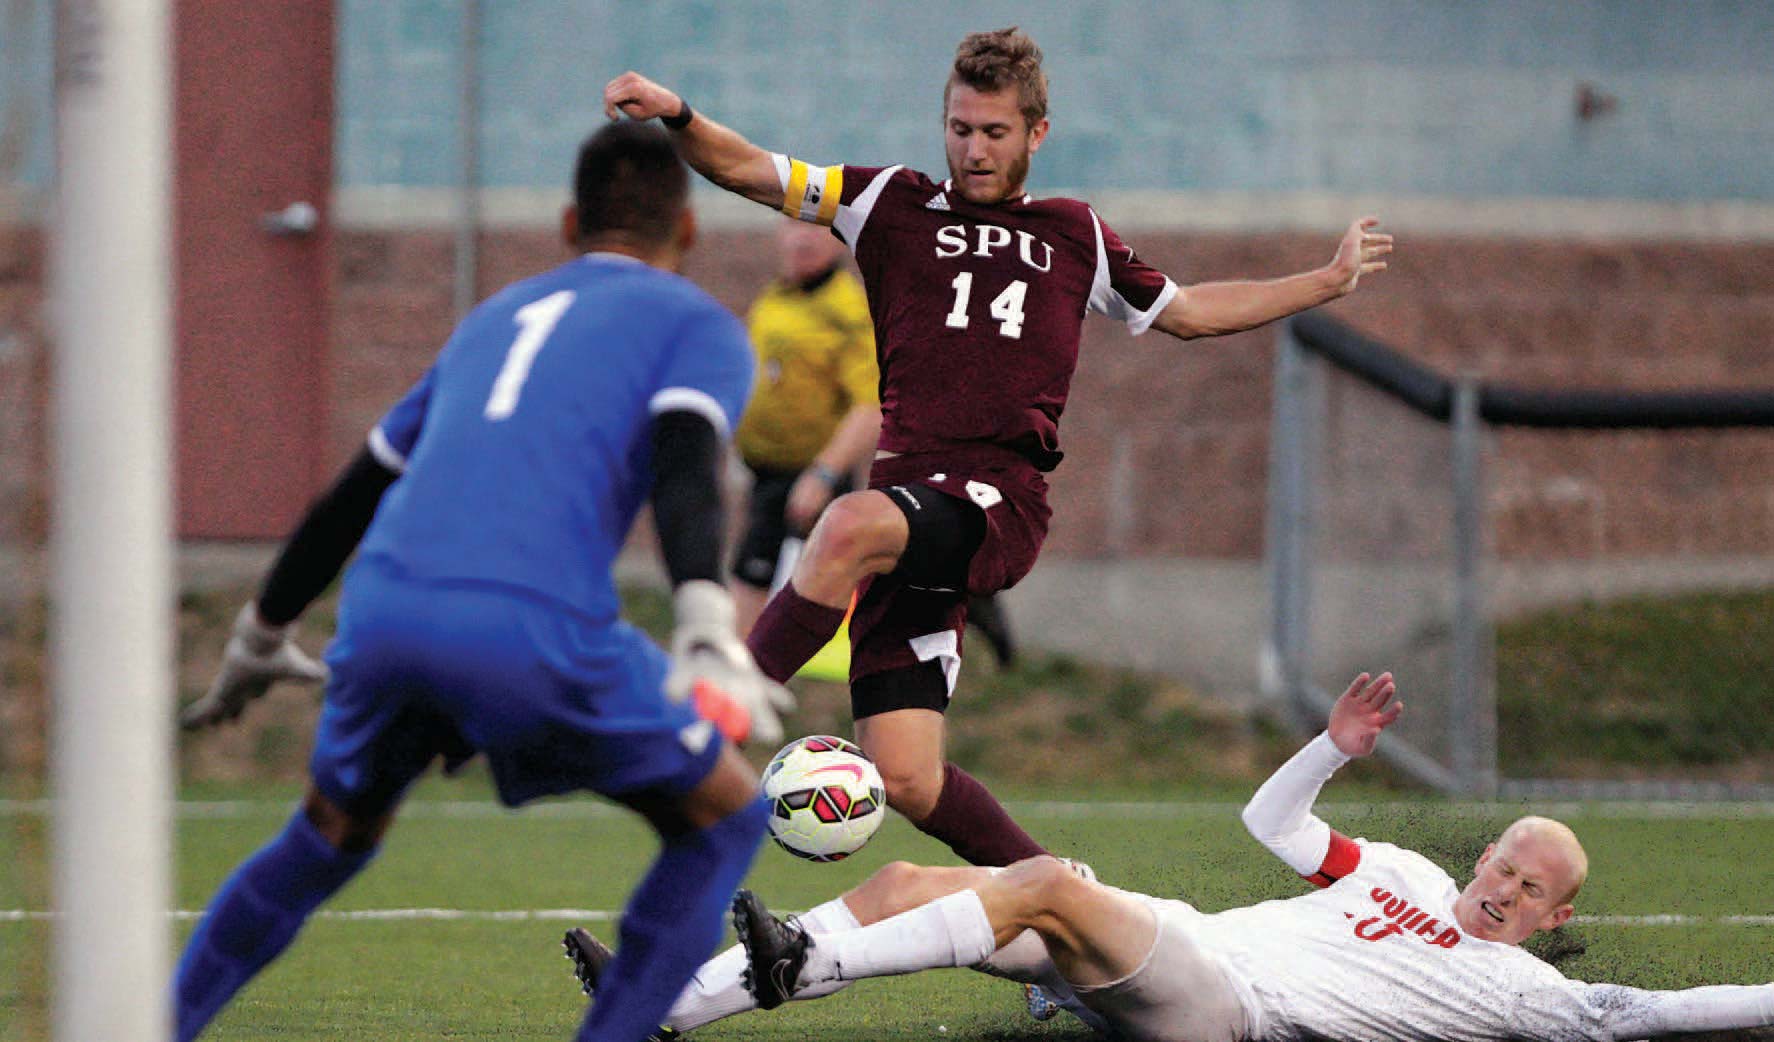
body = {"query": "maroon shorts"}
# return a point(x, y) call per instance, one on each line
point(898, 626)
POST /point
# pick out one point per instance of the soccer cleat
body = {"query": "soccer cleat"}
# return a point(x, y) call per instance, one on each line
point(775, 951)
point(1039, 1005)
point(589, 957)
point(987, 615)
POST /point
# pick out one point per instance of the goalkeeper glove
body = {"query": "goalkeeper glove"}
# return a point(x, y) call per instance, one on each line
point(257, 656)
point(711, 665)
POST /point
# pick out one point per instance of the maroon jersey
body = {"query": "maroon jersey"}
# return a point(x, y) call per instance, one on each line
point(977, 309)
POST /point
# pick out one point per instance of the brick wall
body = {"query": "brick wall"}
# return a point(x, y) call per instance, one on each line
point(24, 365)
point(1167, 442)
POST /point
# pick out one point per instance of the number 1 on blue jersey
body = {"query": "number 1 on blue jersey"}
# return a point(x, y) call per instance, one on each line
point(535, 321)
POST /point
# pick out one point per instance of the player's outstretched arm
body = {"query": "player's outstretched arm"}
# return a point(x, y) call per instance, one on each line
point(1634, 1013)
point(1280, 814)
point(1217, 308)
point(261, 649)
point(719, 153)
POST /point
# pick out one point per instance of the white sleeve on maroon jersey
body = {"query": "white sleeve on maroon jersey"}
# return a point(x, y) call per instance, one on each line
point(1126, 288)
point(816, 194)
point(1280, 816)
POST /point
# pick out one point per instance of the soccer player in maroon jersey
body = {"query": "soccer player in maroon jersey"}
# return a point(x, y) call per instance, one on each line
point(978, 292)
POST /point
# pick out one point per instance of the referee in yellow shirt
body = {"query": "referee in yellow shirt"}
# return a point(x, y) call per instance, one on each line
point(814, 414)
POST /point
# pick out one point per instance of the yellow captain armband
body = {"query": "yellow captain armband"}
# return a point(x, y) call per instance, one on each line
point(811, 193)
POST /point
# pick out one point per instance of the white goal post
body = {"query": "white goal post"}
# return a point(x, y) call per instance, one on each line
point(111, 630)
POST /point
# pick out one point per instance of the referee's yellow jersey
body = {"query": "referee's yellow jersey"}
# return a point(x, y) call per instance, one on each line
point(816, 359)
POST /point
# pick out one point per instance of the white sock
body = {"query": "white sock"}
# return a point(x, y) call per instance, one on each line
point(832, 917)
point(950, 931)
point(717, 990)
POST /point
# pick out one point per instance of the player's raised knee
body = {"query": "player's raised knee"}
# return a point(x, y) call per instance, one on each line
point(856, 527)
point(896, 875)
point(1045, 877)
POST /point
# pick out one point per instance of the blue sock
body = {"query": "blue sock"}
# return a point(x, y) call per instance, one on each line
point(255, 915)
point(672, 923)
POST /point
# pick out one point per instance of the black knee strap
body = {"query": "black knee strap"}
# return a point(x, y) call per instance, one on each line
point(944, 533)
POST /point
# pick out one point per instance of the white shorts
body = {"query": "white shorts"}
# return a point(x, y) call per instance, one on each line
point(1180, 993)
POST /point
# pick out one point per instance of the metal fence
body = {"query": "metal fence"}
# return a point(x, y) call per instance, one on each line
point(1381, 546)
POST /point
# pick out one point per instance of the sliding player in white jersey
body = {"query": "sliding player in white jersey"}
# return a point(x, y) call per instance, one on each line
point(1389, 947)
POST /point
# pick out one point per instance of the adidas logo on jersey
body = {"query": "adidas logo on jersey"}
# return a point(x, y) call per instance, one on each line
point(940, 202)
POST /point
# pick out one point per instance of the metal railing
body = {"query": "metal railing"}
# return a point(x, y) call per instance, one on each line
point(1467, 760)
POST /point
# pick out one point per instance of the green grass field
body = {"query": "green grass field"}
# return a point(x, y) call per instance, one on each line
point(489, 965)
point(1674, 677)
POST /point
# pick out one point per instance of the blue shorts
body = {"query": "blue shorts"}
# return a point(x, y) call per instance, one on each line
point(556, 703)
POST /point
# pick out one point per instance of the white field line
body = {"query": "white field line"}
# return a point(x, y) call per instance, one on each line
point(1128, 810)
point(606, 915)
point(386, 915)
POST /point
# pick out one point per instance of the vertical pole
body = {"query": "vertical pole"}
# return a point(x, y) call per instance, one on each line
point(1473, 720)
point(468, 155)
point(1289, 524)
point(111, 635)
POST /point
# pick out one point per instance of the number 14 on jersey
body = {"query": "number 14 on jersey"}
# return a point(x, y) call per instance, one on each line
point(1006, 307)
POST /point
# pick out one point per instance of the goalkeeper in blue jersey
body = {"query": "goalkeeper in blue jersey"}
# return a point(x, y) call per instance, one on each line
point(481, 615)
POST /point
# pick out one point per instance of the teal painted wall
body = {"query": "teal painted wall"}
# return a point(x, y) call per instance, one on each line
point(1440, 97)
point(26, 113)
point(1346, 96)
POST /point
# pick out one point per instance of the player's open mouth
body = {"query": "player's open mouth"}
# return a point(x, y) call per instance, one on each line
point(1491, 910)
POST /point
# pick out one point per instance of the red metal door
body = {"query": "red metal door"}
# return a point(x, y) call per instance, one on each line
point(254, 139)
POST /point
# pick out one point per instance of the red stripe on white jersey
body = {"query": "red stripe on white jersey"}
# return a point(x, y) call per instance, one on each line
point(1343, 857)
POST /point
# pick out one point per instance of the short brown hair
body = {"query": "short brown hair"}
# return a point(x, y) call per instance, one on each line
point(990, 61)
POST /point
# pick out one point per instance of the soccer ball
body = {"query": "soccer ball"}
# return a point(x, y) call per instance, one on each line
point(826, 798)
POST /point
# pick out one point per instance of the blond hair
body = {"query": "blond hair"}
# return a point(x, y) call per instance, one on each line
point(991, 61)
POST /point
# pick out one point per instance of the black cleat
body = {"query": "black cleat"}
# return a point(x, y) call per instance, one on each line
point(590, 956)
point(775, 951)
point(987, 615)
